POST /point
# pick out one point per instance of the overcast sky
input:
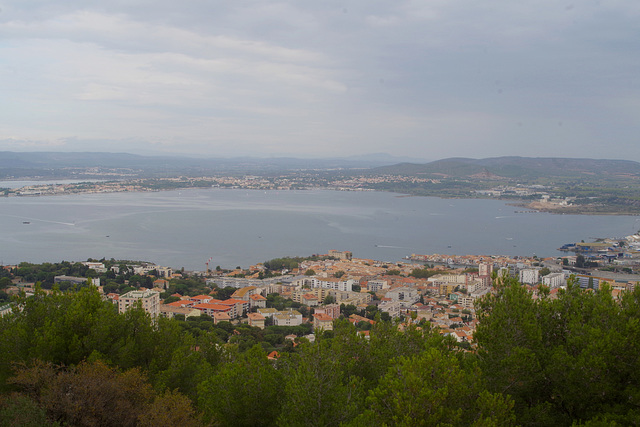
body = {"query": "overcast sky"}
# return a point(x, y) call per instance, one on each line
point(429, 79)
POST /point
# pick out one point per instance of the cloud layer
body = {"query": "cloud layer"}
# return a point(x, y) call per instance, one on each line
point(430, 79)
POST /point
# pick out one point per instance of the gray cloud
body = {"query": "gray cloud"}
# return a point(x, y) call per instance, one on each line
point(431, 79)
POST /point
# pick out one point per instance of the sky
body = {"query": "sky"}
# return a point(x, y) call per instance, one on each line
point(424, 79)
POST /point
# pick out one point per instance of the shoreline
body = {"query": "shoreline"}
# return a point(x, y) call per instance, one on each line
point(107, 187)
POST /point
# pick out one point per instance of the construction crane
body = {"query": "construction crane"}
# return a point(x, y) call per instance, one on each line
point(207, 264)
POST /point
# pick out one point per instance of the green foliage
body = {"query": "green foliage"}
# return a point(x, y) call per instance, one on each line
point(430, 389)
point(278, 264)
point(95, 394)
point(546, 361)
point(20, 410)
point(422, 273)
point(329, 299)
point(310, 272)
point(564, 360)
point(348, 310)
point(319, 389)
point(244, 392)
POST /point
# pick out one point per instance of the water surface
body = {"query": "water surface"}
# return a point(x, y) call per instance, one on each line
point(184, 228)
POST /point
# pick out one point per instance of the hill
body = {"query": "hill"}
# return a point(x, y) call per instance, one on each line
point(530, 168)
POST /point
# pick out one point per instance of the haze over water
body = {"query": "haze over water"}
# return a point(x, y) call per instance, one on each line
point(184, 228)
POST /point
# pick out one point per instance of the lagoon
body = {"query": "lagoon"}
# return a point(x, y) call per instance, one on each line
point(184, 228)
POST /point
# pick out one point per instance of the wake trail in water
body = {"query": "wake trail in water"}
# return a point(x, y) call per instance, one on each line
point(72, 224)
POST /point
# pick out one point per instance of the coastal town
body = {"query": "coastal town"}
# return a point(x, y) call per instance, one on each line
point(437, 290)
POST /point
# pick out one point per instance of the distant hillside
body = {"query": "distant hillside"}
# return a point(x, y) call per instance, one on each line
point(45, 164)
point(516, 167)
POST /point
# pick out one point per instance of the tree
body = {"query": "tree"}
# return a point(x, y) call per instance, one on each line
point(348, 310)
point(309, 272)
point(329, 299)
point(20, 410)
point(244, 392)
point(433, 388)
point(95, 394)
point(565, 360)
point(318, 390)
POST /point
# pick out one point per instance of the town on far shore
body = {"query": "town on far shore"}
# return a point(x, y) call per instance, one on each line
point(437, 289)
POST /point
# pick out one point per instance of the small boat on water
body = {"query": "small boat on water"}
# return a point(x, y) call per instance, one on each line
point(26, 222)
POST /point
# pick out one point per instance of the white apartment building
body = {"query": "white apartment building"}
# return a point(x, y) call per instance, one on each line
point(404, 295)
point(377, 285)
point(333, 283)
point(530, 276)
point(554, 280)
point(149, 299)
point(288, 318)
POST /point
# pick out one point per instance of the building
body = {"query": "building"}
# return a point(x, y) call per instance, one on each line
point(288, 318)
point(220, 317)
point(170, 311)
point(5, 309)
point(209, 309)
point(148, 299)
point(354, 298)
point(245, 293)
point(332, 310)
point(267, 312)
point(530, 276)
point(76, 280)
point(390, 307)
point(332, 283)
point(377, 285)
point(404, 295)
point(258, 301)
point(323, 322)
point(554, 280)
point(309, 299)
point(343, 255)
point(485, 269)
point(256, 319)
point(161, 284)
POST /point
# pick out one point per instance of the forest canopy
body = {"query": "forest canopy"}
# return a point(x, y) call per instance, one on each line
point(562, 359)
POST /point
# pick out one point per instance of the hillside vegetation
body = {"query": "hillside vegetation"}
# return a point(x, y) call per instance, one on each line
point(71, 359)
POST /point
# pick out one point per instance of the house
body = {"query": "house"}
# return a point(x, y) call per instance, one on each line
point(182, 303)
point(209, 309)
point(220, 317)
point(170, 311)
point(201, 299)
point(245, 293)
point(161, 284)
point(323, 322)
point(267, 312)
point(257, 300)
point(332, 310)
point(256, 319)
point(309, 299)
